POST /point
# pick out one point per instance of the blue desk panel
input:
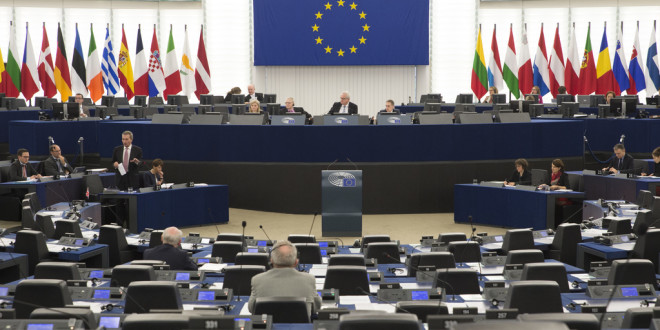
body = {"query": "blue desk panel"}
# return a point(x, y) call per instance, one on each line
point(507, 207)
point(610, 187)
point(33, 135)
point(412, 143)
point(7, 116)
point(642, 135)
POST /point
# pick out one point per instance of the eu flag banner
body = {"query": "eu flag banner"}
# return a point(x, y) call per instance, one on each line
point(341, 32)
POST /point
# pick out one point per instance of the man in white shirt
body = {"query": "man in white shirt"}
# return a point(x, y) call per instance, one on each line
point(253, 95)
point(84, 110)
point(344, 106)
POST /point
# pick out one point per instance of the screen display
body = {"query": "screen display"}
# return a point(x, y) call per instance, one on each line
point(206, 240)
point(498, 238)
point(629, 292)
point(203, 260)
point(323, 244)
point(42, 326)
point(544, 233)
point(324, 252)
point(109, 321)
point(253, 250)
point(96, 274)
point(242, 319)
point(319, 293)
point(4, 291)
point(182, 277)
point(206, 295)
point(78, 242)
point(624, 238)
point(262, 243)
point(420, 295)
point(101, 294)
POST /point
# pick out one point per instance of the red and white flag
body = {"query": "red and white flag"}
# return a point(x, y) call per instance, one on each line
point(573, 62)
point(556, 65)
point(45, 67)
point(202, 72)
point(29, 77)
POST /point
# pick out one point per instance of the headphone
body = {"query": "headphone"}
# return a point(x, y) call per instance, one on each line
point(110, 307)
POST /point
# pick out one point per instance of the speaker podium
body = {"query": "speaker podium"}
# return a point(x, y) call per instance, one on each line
point(341, 203)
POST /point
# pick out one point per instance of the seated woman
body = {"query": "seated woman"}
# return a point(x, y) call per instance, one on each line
point(521, 175)
point(235, 90)
point(558, 179)
point(656, 160)
point(608, 96)
point(154, 177)
point(491, 90)
point(255, 106)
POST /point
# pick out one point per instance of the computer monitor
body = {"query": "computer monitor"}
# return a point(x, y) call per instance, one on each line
point(177, 100)
point(655, 208)
point(596, 99)
point(534, 96)
point(515, 105)
point(561, 98)
point(645, 199)
point(499, 98)
point(237, 99)
point(239, 109)
point(535, 110)
point(430, 98)
point(464, 98)
point(108, 100)
point(643, 220)
point(653, 100)
point(604, 111)
point(140, 100)
point(270, 98)
point(432, 107)
point(58, 111)
point(623, 106)
point(273, 108)
point(569, 109)
point(501, 106)
point(206, 99)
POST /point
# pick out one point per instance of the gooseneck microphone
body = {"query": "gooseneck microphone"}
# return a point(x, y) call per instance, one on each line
point(333, 163)
point(447, 285)
point(243, 224)
point(312, 226)
point(262, 229)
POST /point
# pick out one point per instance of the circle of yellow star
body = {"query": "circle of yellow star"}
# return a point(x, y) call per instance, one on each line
point(353, 6)
point(315, 28)
point(319, 41)
point(353, 49)
point(340, 53)
point(363, 15)
point(328, 6)
point(340, 3)
point(362, 40)
point(365, 27)
point(319, 15)
point(328, 50)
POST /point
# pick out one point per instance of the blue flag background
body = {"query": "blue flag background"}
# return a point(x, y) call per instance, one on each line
point(344, 32)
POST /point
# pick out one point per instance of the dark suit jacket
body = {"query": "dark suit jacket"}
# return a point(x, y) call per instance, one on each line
point(16, 171)
point(525, 179)
point(132, 177)
point(260, 97)
point(50, 167)
point(149, 179)
point(175, 257)
point(562, 182)
point(352, 108)
point(626, 164)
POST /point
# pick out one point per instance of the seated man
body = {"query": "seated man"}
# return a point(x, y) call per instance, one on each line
point(622, 163)
point(289, 106)
point(21, 169)
point(344, 106)
point(56, 164)
point(251, 95)
point(170, 251)
point(283, 279)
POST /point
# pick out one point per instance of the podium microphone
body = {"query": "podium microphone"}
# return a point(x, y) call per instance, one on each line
point(350, 161)
point(333, 163)
point(262, 229)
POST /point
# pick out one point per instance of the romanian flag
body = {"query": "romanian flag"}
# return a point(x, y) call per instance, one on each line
point(125, 69)
point(62, 78)
point(479, 73)
point(587, 69)
point(604, 75)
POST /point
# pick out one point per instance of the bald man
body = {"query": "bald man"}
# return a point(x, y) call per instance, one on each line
point(251, 95)
point(170, 251)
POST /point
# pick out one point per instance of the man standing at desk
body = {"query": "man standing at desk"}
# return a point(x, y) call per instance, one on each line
point(622, 163)
point(84, 110)
point(21, 169)
point(344, 106)
point(128, 157)
point(56, 164)
point(283, 279)
point(170, 252)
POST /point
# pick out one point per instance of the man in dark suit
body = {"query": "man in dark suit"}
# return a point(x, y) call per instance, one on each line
point(622, 163)
point(84, 110)
point(252, 95)
point(56, 164)
point(128, 156)
point(21, 169)
point(344, 106)
point(170, 251)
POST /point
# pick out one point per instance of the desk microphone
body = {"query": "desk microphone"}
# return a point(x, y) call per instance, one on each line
point(243, 224)
point(262, 229)
point(396, 308)
point(51, 141)
point(312, 226)
point(623, 137)
point(453, 296)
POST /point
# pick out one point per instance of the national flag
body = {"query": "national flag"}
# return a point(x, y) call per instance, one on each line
point(13, 84)
point(494, 66)
point(62, 78)
point(94, 75)
point(202, 72)
point(186, 71)
point(652, 73)
point(541, 75)
point(141, 74)
point(3, 72)
point(79, 76)
point(620, 67)
point(109, 66)
point(525, 72)
point(45, 67)
point(587, 68)
point(571, 78)
point(604, 76)
point(156, 77)
point(479, 74)
point(125, 69)
point(556, 65)
point(636, 68)
point(172, 75)
point(510, 69)
point(29, 77)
